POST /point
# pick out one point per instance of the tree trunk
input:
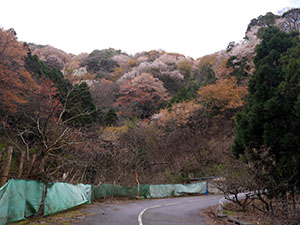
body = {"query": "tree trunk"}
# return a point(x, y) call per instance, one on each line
point(31, 164)
point(74, 175)
point(21, 165)
point(6, 168)
point(65, 175)
point(0, 155)
point(42, 164)
point(82, 176)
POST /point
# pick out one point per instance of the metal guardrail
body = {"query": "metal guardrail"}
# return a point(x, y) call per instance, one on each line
point(220, 213)
point(206, 178)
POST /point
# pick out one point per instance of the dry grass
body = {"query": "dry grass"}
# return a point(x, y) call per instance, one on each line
point(210, 217)
point(253, 215)
point(67, 217)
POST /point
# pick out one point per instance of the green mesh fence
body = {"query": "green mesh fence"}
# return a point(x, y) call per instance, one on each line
point(20, 199)
point(167, 190)
point(148, 191)
point(62, 196)
point(23, 198)
point(87, 191)
point(110, 190)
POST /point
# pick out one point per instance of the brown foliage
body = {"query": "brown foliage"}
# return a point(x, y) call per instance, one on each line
point(76, 61)
point(208, 59)
point(104, 93)
point(118, 71)
point(178, 116)
point(47, 99)
point(39, 131)
point(186, 69)
point(15, 82)
point(218, 62)
point(141, 96)
point(192, 139)
point(129, 149)
point(225, 94)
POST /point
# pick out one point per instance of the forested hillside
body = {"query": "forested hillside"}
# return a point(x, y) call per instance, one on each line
point(107, 115)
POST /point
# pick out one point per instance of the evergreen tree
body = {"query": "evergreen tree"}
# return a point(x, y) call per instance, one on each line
point(80, 109)
point(39, 69)
point(240, 67)
point(268, 127)
point(80, 106)
point(207, 75)
point(187, 92)
point(111, 118)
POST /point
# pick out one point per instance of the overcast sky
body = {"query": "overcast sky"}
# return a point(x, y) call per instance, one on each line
point(191, 27)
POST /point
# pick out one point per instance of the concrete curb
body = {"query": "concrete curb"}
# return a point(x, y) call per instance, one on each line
point(237, 221)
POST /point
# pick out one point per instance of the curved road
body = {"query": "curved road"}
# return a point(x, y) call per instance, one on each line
point(175, 211)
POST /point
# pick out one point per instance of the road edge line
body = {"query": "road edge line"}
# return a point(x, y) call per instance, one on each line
point(140, 221)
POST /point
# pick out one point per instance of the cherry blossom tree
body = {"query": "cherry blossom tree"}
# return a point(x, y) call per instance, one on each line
point(142, 96)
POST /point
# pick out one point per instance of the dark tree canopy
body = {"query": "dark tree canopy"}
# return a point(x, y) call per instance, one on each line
point(111, 117)
point(80, 106)
point(240, 67)
point(100, 61)
point(77, 99)
point(186, 93)
point(207, 75)
point(39, 69)
point(269, 125)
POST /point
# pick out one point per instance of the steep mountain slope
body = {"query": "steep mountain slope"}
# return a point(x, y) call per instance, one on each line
point(161, 113)
point(113, 64)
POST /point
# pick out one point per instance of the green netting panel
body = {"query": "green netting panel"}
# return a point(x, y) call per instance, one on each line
point(196, 188)
point(110, 190)
point(167, 190)
point(20, 199)
point(122, 191)
point(162, 190)
point(103, 190)
point(87, 191)
point(148, 191)
point(145, 190)
point(62, 196)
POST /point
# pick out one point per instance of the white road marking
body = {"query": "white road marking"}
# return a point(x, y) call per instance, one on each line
point(141, 213)
point(140, 221)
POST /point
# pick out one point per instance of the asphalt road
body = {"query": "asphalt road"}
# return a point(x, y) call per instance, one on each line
point(175, 211)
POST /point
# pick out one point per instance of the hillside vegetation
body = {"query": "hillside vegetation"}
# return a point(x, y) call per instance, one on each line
point(105, 116)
